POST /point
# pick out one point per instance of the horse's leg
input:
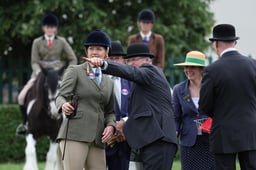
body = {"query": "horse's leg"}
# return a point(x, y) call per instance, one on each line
point(51, 158)
point(30, 151)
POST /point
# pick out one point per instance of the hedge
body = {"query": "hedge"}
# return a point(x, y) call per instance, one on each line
point(12, 147)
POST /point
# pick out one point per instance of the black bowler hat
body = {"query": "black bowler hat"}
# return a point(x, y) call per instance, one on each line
point(116, 49)
point(50, 20)
point(97, 38)
point(146, 15)
point(224, 32)
point(138, 50)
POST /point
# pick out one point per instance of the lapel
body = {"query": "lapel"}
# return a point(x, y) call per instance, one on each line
point(138, 36)
point(55, 42)
point(43, 42)
point(185, 97)
point(103, 80)
point(151, 39)
point(90, 76)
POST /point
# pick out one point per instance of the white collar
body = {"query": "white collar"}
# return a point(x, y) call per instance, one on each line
point(147, 35)
point(47, 38)
point(94, 69)
point(227, 50)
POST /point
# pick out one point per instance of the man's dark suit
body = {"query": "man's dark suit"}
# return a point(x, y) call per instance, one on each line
point(150, 126)
point(228, 94)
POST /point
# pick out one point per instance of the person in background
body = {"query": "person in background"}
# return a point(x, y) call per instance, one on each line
point(194, 144)
point(228, 95)
point(155, 42)
point(118, 152)
point(51, 51)
point(150, 126)
point(93, 123)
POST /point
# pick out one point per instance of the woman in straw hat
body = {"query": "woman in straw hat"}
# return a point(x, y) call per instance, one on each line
point(194, 144)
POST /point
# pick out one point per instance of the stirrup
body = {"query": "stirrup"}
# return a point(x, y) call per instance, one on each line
point(21, 129)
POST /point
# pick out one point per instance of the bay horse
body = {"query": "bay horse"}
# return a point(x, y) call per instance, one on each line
point(43, 118)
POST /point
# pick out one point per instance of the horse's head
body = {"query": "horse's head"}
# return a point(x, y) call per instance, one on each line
point(51, 87)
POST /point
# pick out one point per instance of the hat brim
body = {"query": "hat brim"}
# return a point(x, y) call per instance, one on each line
point(95, 44)
point(140, 55)
point(117, 54)
point(224, 39)
point(189, 64)
point(146, 20)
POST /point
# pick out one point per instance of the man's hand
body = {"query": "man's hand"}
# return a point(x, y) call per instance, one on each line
point(119, 126)
point(107, 134)
point(120, 133)
point(95, 62)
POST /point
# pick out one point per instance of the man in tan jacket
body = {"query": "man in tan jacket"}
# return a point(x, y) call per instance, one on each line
point(155, 42)
point(51, 51)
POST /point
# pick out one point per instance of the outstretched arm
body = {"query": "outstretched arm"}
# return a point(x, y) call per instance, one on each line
point(142, 75)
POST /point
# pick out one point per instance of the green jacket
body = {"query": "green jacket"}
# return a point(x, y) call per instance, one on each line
point(95, 110)
point(53, 57)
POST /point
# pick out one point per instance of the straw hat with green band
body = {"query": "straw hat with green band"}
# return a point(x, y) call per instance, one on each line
point(193, 58)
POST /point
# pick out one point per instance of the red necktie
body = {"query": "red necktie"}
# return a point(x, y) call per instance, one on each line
point(49, 43)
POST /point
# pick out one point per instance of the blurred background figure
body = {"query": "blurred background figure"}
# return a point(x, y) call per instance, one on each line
point(51, 51)
point(155, 42)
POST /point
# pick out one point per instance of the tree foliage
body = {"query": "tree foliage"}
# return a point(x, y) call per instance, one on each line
point(183, 23)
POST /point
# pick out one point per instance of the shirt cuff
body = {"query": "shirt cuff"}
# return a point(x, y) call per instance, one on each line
point(125, 118)
point(105, 65)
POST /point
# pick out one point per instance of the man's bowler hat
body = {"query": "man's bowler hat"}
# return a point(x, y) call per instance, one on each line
point(116, 49)
point(224, 32)
point(138, 50)
point(50, 20)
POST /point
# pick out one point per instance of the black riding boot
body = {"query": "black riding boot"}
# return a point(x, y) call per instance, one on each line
point(21, 129)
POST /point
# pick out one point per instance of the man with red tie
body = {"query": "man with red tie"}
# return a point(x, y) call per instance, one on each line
point(49, 50)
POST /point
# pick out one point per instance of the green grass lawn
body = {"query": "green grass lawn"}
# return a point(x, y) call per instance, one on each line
point(19, 166)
